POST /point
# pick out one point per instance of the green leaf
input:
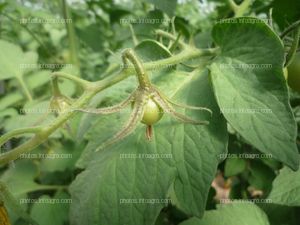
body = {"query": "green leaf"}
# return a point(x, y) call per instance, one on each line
point(150, 50)
point(153, 20)
point(10, 99)
point(9, 112)
point(197, 160)
point(50, 211)
point(13, 60)
point(38, 78)
point(90, 36)
point(234, 166)
point(33, 113)
point(280, 214)
point(286, 188)
point(167, 6)
point(19, 178)
point(61, 157)
point(254, 101)
point(261, 176)
point(232, 214)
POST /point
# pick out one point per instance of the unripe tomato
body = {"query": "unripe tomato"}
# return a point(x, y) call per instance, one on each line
point(294, 73)
point(152, 112)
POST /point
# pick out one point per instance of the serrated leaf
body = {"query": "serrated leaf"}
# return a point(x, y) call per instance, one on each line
point(286, 188)
point(48, 213)
point(254, 101)
point(232, 214)
point(13, 62)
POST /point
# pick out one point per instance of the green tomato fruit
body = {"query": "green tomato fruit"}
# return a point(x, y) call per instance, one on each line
point(152, 112)
point(294, 73)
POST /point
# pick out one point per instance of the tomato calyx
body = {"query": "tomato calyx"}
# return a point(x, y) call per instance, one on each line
point(60, 104)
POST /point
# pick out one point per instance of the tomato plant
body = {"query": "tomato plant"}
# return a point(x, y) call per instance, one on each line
point(149, 112)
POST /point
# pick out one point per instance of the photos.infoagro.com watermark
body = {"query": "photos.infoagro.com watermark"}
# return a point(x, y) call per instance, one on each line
point(245, 66)
point(145, 201)
point(144, 21)
point(245, 156)
point(245, 20)
point(36, 20)
point(45, 201)
point(153, 66)
point(145, 156)
point(45, 156)
point(44, 66)
point(244, 110)
point(246, 201)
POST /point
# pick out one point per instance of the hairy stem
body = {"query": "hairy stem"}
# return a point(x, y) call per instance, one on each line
point(142, 76)
point(71, 33)
point(33, 130)
point(91, 91)
point(84, 83)
point(173, 38)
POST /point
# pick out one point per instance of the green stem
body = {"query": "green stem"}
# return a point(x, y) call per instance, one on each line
point(24, 87)
point(239, 10)
point(181, 57)
point(31, 130)
point(142, 76)
point(134, 38)
point(71, 33)
point(89, 93)
point(293, 50)
point(172, 37)
point(233, 5)
point(85, 84)
point(55, 87)
point(243, 8)
point(290, 29)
